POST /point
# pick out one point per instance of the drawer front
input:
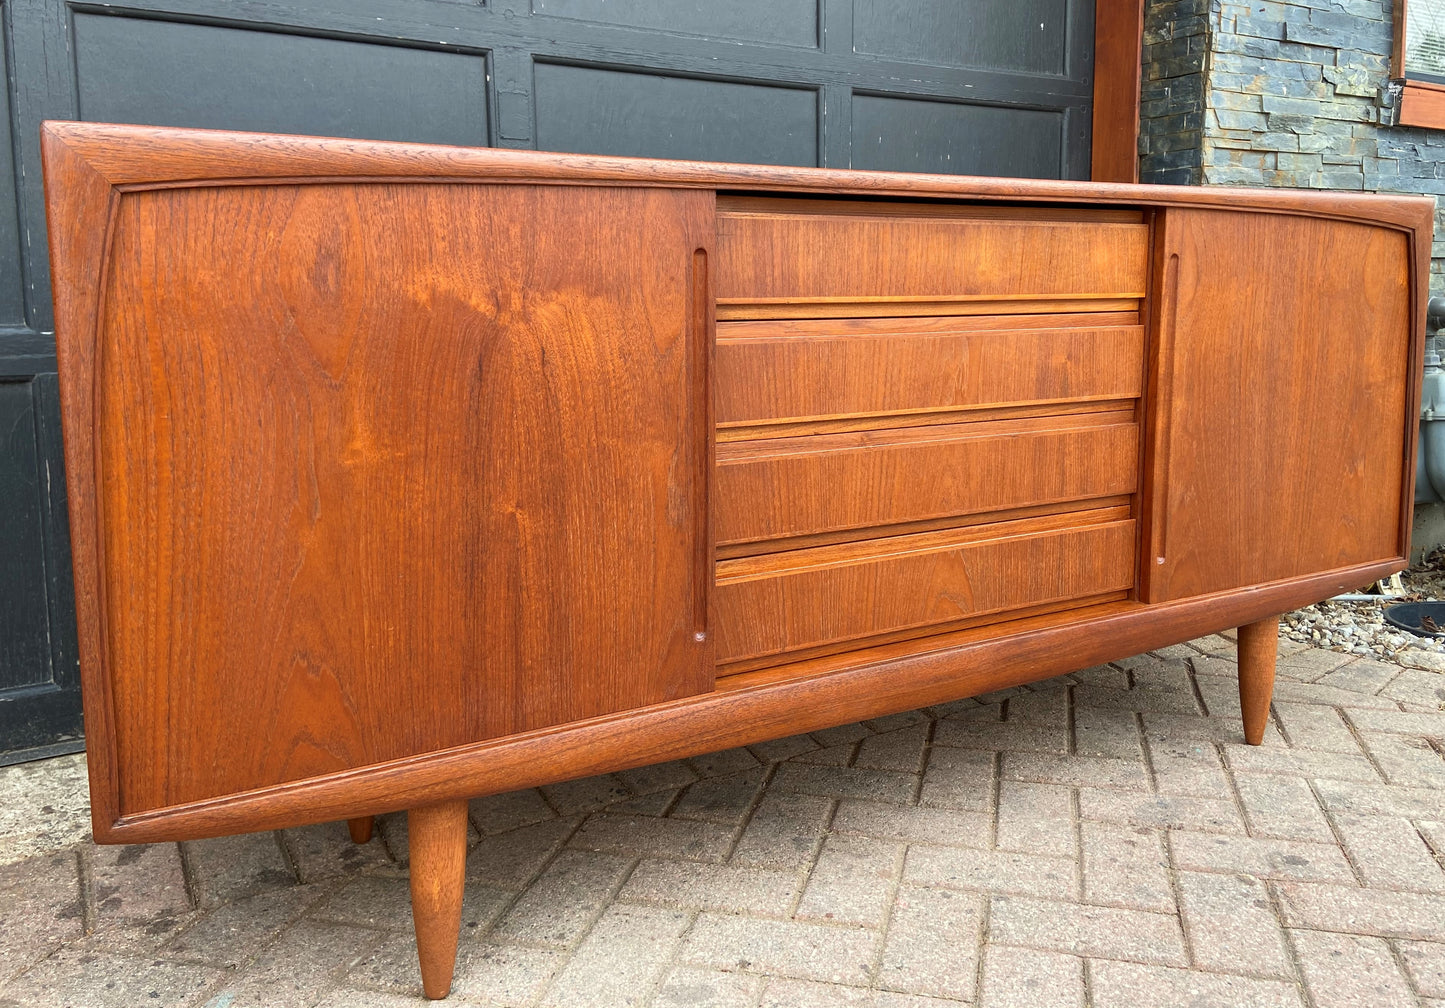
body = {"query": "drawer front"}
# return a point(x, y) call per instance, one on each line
point(920, 583)
point(805, 485)
point(789, 250)
point(798, 370)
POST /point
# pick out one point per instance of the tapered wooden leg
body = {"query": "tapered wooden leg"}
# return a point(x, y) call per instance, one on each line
point(361, 828)
point(438, 841)
point(1258, 649)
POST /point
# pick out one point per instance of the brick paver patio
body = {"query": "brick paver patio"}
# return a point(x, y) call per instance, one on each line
point(1101, 839)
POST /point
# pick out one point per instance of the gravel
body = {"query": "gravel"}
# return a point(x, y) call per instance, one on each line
point(1359, 627)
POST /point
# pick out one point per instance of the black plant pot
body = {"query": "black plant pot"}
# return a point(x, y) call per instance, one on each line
point(1409, 616)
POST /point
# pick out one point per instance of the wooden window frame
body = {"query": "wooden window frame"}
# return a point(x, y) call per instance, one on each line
point(1418, 102)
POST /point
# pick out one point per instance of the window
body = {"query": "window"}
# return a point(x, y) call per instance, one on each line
point(1416, 95)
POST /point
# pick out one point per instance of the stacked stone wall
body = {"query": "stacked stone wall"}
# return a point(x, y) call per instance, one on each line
point(1271, 93)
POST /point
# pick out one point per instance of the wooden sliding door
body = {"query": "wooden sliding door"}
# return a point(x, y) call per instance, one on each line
point(377, 469)
point(1278, 445)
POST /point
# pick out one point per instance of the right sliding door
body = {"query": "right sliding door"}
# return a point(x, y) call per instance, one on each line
point(1282, 380)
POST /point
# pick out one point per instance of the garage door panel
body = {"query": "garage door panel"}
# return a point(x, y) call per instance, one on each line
point(1028, 36)
point(12, 301)
point(956, 138)
point(637, 114)
point(169, 73)
point(777, 22)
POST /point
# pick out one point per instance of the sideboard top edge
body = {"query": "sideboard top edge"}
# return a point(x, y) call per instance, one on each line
point(130, 156)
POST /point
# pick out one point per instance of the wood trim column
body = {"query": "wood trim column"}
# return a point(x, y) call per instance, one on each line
point(1118, 52)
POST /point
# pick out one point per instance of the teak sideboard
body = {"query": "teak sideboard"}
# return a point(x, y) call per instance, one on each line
point(400, 475)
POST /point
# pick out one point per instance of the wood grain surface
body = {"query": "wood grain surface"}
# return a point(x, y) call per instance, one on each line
point(1118, 73)
point(385, 469)
point(1258, 654)
point(126, 156)
point(437, 845)
point(1285, 425)
point(804, 598)
point(791, 486)
point(799, 370)
point(771, 250)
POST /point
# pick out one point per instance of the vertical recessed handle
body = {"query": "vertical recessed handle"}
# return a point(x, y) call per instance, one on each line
point(700, 420)
point(1166, 334)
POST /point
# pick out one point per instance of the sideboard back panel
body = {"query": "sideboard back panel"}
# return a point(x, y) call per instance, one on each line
point(389, 468)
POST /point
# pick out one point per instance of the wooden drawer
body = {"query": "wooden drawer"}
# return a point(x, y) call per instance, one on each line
point(791, 370)
point(785, 252)
point(819, 483)
point(917, 583)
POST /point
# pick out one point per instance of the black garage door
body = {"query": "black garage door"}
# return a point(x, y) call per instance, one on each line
point(991, 87)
